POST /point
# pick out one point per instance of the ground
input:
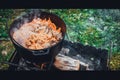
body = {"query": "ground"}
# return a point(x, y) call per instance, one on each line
point(6, 49)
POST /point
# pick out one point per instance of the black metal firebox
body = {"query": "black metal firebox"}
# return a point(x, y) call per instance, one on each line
point(95, 58)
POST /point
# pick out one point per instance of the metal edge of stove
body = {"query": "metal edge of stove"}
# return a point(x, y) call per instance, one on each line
point(14, 59)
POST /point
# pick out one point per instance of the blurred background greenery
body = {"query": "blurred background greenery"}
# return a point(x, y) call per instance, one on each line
point(95, 27)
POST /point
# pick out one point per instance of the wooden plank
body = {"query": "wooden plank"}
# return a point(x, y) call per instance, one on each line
point(63, 62)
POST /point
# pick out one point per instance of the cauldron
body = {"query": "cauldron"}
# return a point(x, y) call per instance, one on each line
point(41, 55)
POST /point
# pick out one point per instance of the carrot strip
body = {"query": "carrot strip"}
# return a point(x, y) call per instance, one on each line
point(41, 36)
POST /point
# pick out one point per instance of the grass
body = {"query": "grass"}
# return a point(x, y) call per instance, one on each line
point(115, 62)
point(6, 50)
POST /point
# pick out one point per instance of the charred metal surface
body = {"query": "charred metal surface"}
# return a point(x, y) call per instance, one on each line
point(96, 59)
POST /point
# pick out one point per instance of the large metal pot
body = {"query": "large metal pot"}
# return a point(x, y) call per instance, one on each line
point(42, 55)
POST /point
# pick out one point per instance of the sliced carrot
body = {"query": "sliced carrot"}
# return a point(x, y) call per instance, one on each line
point(39, 40)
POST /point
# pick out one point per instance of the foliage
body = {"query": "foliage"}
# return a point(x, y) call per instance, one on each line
point(115, 62)
point(95, 27)
point(7, 47)
point(111, 28)
point(5, 15)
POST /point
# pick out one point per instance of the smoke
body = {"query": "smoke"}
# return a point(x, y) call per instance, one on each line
point(27, 16)
point(23, 18)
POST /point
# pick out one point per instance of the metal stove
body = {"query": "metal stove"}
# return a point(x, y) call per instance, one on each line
point(17, 63)
point(95, 58)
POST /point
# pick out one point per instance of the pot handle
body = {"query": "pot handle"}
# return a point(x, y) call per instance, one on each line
point(41, 52)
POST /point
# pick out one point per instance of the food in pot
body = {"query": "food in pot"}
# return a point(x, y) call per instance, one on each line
point(38, 34)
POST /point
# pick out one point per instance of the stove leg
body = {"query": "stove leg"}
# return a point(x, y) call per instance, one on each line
point(51, 63)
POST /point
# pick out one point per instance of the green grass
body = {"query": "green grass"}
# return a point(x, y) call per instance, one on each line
point(115, 62)
point(5, 46)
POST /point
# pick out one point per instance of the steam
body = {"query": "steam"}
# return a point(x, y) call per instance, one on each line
point(20, 20)
point(26, 17)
